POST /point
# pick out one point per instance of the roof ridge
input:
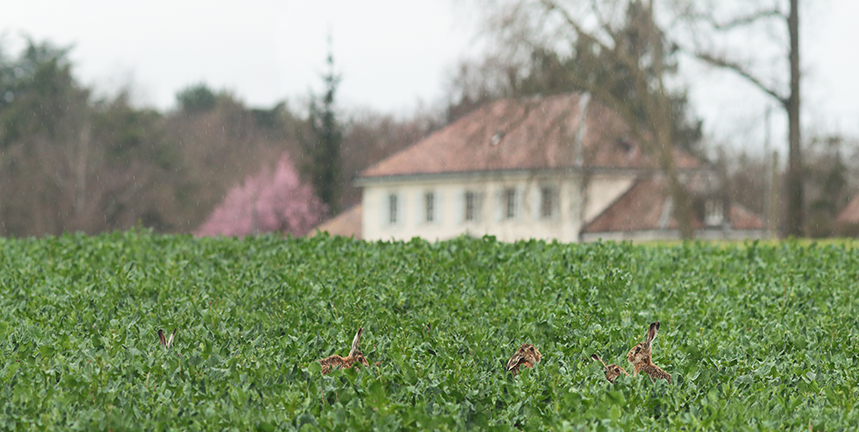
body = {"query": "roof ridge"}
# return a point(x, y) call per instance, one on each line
point(537, 132)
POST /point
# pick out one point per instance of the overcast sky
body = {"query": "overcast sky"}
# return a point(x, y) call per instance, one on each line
point(393, 54)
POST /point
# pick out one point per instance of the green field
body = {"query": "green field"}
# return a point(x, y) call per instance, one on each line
point(756, 337)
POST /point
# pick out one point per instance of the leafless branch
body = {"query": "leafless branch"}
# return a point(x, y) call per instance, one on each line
point(739, 21)
point(550, 6)
point(617, 105)
point(601, 92)
point(741, 71)
point(604, 23)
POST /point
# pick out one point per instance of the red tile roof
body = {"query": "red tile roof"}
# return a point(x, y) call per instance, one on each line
point(528, 133)
point(743, 218)
point(347, 224)
point(850, 214)
point(646, 206)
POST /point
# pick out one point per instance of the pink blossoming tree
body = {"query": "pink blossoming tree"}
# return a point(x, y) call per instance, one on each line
point(267, 202)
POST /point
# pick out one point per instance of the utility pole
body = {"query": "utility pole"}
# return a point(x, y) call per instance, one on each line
point(769, 179)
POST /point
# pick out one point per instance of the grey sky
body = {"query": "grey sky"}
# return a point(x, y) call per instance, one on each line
point(393, 54)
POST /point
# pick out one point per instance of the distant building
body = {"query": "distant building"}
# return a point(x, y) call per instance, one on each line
point(847, 221)
point(347, 224)
point(560, 167)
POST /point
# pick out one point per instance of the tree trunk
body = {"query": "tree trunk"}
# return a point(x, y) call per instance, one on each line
point(661, 123)
point(794, 220)
point(682, 210)
point(81, 169)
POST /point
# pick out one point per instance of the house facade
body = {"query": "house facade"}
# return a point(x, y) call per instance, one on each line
point(510, 205)
point(559, 167)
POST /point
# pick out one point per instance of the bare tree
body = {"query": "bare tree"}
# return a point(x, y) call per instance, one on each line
point(623, 65)
point(708, 25)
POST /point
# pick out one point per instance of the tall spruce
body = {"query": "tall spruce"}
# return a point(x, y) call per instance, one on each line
point(322, 143)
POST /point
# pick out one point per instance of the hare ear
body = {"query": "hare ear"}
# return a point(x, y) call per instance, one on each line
point(513, 361)
point(170, 339)
point(597, 358)
point(161, 336)
point(651, 332)
point(356, 340)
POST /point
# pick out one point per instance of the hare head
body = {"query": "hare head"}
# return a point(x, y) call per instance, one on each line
point(640, 353)
point(527, 355)
point(642, 360)
point(355, 356)
point(611, 371)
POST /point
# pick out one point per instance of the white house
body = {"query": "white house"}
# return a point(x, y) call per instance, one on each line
point(558, 167)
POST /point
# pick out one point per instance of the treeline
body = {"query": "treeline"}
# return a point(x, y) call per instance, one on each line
point(71, 161)
point(830, 176)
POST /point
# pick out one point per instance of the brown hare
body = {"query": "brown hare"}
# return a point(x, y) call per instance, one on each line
point(355, 356)
point(166, 343)
point(612, 371)
point(527, 355)
point(642, 360)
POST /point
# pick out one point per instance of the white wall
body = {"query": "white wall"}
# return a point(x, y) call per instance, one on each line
point(450, 202)
point(603, 190)
point(662, 235)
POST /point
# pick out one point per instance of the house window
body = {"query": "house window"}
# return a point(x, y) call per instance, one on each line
point(713, 213)
point(393, 209)
point(429, 204)
point(511, 203)
point(548, 202)
point(472, 206)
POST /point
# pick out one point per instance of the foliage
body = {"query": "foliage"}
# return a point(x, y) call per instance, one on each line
point(267, 202)
point(721, 32)
point(322, 144)
point(623, 62)
point(550, 67)
point(826, 188)
point(37, 90)
point(67, 162)
point(549, 72)
point(197, 98)
point(756, 336)
point(70, 162)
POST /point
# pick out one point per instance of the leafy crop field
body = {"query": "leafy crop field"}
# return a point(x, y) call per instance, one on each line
point(756, 337)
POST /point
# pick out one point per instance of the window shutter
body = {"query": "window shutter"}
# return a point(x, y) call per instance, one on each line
point(438, 210)
point(479, 204)
point(420, 209)
point(401, 209)
point(385, 209)
point(499, 205)
point(520, 203)
point(460, 207)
